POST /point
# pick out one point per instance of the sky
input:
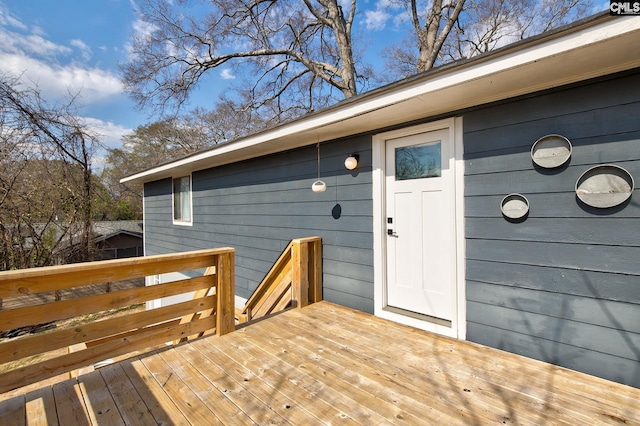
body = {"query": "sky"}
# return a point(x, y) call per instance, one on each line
point(74, 46)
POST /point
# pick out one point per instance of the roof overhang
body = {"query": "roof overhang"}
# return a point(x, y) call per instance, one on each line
point(592, 48)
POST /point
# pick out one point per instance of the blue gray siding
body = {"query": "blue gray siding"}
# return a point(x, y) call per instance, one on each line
point(257, 206)
point(562, 286)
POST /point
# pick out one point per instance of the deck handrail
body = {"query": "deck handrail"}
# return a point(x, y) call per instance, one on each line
point(212, 308)
point(294, 279)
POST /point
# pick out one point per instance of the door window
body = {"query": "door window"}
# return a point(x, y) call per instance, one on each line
point(419, 161)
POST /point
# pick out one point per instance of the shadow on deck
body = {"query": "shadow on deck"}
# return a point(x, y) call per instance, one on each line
point(325, 364)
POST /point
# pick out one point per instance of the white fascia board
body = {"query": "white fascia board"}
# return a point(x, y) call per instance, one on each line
point(476, 76)
point(532, 58)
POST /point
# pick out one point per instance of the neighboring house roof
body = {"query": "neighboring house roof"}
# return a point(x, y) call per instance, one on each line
point(590, 48)
point(106, 230)
point(101, 230)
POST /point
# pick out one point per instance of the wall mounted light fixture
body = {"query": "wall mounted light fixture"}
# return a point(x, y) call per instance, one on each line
point(352, 161)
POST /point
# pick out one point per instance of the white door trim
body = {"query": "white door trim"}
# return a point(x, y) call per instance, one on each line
point(458, 326)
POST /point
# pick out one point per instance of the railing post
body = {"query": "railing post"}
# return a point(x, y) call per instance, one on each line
point(315, 271)
point(225, 310)
point(300, 278)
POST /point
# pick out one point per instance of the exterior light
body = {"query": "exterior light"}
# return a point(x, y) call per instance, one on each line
point(319, 186)
point(351, 162)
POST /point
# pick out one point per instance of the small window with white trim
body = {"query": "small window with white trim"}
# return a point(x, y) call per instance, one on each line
point(182, 200)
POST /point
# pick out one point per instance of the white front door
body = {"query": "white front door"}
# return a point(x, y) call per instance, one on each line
point(421, 224)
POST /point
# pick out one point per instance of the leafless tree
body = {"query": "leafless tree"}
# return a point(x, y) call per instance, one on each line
point(46, 180)
point(163, 141)
point(432, 28)
point(299, 52)
point(298, 55)
point(448, 30)
point(495, 23)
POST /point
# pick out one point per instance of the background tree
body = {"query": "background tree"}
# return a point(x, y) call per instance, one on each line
point(432, 28)
point(46, 183)
point(299, 53)
point(147, 146)
point(443, 31)
point(163, 141)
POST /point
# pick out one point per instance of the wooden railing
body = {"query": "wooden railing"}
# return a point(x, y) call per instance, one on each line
point(212, 308)
point(294, 280)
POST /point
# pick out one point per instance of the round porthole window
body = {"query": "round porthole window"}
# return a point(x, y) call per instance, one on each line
point(514, 206)
point(604, 186)
point(551, 151)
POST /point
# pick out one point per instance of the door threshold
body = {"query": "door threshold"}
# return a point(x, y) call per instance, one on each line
point(420, 317)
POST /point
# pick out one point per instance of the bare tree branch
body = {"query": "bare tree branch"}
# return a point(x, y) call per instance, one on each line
point(448, 30)
point(169, 62)
point(54, 180)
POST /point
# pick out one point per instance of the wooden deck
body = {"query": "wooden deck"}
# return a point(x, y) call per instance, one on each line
point(325, 364)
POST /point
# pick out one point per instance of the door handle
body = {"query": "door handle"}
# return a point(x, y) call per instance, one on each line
point(391, 233)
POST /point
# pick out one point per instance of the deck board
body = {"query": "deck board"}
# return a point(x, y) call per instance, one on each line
point(101, 407)
point(40, 408)
point(326, 364)
point(260, 403)
point(12, 411)
point(432, 367)
point(195, 411)
point(300, 376)
point(128, 402)
point(154, 397)
point(353, 380)
point(69, 403)
point(278, 379)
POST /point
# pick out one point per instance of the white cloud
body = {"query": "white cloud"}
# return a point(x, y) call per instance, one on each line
point(7, 19)
point(84, 49)
point(27, 53)
point(92, 83)
point(31, 44)
point(376, 20)
point(61, 69)
point(226, 74)
point(384, 11)
point(110, 133)
point(143, 29)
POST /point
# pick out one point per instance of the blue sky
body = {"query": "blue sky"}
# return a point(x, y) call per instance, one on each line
point(74, 46)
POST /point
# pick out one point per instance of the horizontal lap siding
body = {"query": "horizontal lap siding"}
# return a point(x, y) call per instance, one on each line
point(257, 206)
point(564, 284)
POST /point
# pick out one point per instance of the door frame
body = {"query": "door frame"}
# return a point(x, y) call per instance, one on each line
point(458, 326)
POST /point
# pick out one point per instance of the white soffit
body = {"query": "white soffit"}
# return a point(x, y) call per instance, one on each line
point(610, 45)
